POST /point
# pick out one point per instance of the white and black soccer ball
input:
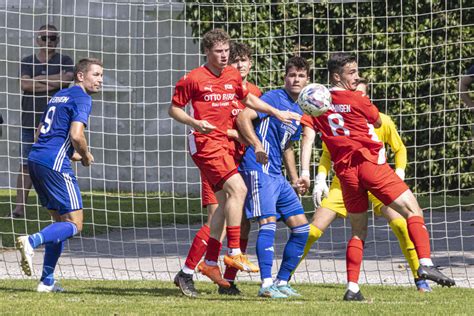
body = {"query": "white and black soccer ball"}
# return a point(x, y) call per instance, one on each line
point(315, 99)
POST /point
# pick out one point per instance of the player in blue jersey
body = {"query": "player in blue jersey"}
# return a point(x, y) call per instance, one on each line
point(270, 197)
point(59, 139)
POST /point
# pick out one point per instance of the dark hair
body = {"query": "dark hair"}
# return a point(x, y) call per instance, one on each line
point(48, 27)
point(238, 49)
point(337, 61)
point(213, 37)
point(84, 64)
point(298, 62)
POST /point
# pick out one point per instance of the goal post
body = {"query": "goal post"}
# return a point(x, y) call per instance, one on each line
point(142, 196)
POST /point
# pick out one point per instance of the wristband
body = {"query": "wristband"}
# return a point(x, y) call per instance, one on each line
point(305, 173)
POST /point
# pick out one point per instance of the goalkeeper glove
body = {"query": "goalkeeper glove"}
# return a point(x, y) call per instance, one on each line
point(320, 189)
point(400, 173)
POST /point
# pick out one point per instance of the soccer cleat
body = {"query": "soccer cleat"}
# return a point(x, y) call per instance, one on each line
point(240, 262)
point(55, 288)
point(288, 290)
point(27, 253)
point(186, 284)
point(213, 273)
point(432, 273)
point(351, 296)
point(422, 285)
point(233, 290)
point(271, 292)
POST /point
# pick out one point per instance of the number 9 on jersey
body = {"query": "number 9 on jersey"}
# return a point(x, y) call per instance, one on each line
point(314, 99)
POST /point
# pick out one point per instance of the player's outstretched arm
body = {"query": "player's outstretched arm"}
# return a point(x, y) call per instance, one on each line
point(181, 116)
point(78, 141)
point(261, 106)
point(244, 123)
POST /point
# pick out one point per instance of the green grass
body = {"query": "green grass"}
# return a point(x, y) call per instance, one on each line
point(110, 211)
point(154, 297)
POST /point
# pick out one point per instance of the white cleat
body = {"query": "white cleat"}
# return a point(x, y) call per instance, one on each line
point(49, 288)
point(27, 253)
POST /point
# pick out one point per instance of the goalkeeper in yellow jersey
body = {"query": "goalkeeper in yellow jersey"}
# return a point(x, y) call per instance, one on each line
point(332, 205)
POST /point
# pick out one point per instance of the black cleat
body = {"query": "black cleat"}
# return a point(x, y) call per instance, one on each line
point(432, 273)
point(233, 290)
point(351, 296)
point(186, 284)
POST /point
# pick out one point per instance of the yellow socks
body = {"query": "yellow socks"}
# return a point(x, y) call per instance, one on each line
point(399, 228)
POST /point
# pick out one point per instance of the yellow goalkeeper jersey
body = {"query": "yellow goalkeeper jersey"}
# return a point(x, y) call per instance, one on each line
point(388, 134)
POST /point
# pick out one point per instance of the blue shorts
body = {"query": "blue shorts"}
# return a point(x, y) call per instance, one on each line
point(27, 140)
point(57, 191)
point(270, 196)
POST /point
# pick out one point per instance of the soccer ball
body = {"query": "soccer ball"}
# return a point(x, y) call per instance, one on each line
point(315, 99)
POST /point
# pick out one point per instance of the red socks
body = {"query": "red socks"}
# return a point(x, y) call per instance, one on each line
point(213, 249)
point(198, 247)
point(354, 254)
point(419, 235)
point(231, 272)
point(233, 236)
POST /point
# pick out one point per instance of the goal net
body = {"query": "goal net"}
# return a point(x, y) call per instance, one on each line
point(141, 198)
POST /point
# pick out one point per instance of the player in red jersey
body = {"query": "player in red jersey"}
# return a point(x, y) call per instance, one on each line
point(214, 90)
point(359, 162)
point(240, 58)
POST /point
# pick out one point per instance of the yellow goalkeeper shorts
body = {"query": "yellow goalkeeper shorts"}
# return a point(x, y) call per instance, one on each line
point(334, 200)
point(376, 205)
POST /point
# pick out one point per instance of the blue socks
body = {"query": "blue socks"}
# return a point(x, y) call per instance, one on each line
point(293, 251)
point(265, 250)
point(55, 233)
point(51, 255)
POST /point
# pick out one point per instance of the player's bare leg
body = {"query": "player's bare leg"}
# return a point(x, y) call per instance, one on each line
point(354, 255)
point(23, 187)
point(399, 227)
point(408, 207)
point(184, 278)
point(231, 200)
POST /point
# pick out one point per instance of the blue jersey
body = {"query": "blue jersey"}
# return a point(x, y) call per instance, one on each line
point(273, 134)
point(53, 149)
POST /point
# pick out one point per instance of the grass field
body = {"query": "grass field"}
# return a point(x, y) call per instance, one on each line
point(112, 211)
point(153, 297)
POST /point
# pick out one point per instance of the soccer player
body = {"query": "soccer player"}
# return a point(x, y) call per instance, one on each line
point(59, 138)
point(271, 197)
point(332, 206)
point(347, 129)
point(240, 58)
point(214, 90)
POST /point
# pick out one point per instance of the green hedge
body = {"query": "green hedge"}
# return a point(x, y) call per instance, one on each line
point(412, 53)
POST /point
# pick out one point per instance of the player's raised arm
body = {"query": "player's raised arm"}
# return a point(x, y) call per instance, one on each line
point(244, 123)
point(257, 104)
point(307, 142)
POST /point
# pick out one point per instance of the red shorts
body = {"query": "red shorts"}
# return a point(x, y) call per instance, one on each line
point(216, 170)
point(363, 176)
point(207, 194)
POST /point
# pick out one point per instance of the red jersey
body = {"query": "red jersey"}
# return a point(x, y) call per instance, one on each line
point(347, 128)
point(236, 147)
point(213, 98)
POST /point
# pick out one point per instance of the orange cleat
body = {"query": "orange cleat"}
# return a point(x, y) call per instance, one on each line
point(240, 262)
point(213, 273)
